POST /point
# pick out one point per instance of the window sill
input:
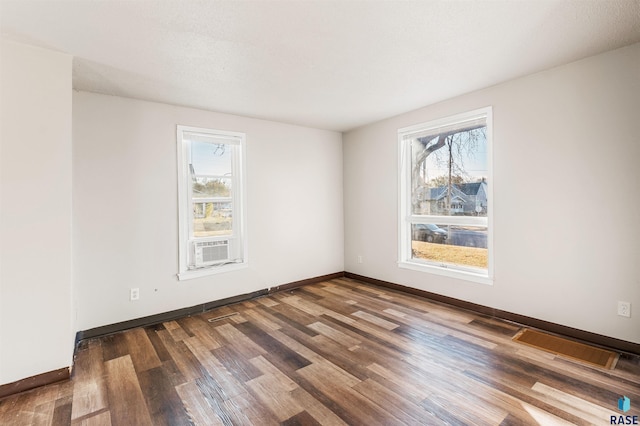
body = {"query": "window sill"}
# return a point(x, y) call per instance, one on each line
point(213, 270)
point(447, 272)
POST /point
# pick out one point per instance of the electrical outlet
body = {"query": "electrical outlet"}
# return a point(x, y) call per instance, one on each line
point(624, 309)
point(134, 294)
point(359, 258)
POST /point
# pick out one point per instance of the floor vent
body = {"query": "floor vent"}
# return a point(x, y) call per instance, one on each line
point(222, 317)
point(567, 348)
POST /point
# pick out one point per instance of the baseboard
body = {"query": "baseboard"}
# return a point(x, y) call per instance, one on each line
point(164, 316)
point(34, 382)
point(194, 310)
point(574, 333)
point(296, 284)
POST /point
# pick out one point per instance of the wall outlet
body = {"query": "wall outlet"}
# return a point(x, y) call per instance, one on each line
point(359, 258)
point(134, 294)
point(624, 309)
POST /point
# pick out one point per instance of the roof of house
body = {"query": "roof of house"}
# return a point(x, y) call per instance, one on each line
point(460, 190)
point(470, 188)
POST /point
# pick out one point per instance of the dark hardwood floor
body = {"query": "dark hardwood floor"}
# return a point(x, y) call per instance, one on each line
point(338, 352)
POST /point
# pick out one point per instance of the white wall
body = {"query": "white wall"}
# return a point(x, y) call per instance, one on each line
point(125, 207)
point(35, 212)
point(566, 192)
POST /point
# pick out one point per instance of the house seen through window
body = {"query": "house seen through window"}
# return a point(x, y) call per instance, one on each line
point(445, 195)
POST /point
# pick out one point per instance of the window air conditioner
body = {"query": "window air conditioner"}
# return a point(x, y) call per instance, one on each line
point(211, 252)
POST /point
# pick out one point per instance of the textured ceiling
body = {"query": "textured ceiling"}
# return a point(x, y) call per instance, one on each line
point(327, 64)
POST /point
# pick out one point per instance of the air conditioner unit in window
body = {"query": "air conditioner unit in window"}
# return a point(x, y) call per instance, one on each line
point(211, 252)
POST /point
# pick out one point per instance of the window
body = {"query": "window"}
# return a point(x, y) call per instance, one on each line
point(211, 201)
point(445, 196)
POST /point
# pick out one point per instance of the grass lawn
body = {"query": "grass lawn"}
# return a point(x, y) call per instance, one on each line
point(468, 256)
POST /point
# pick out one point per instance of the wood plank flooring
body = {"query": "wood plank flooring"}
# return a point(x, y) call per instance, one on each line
point(339, 352)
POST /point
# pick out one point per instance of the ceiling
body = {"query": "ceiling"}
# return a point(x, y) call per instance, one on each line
point(333, 65)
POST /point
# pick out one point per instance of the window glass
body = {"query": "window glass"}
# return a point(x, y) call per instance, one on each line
point(449, 171)
point(211, 159)
point(208, 187)
point(212, 219)
point(450, 244)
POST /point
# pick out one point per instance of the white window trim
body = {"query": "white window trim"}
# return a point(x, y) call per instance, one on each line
point(184, 216)
point(404, 203)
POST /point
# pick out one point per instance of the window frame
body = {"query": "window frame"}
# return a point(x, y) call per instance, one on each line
point(405, 212)
point(237, 141)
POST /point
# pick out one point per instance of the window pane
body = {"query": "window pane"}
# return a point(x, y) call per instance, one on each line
point(449, 171)
point(211, 159)
point(212, 219)
point(449, 244)
point(205, 187)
